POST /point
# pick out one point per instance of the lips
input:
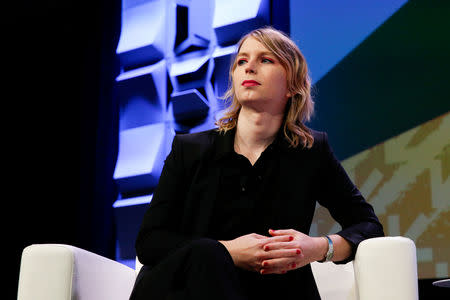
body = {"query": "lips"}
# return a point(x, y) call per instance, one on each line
point(250, 83)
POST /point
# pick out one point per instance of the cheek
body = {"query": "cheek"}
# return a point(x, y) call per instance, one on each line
point(235, 80)
point(275, 75)
point(280, 82)
point(235, 87)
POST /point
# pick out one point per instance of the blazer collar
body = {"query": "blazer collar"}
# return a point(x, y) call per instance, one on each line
point(224, 144)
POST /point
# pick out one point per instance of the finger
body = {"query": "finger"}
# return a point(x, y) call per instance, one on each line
point(270, 271)
point(281, 238)
point(282, 232)
point(281, 253)
point(277, 266)
point(280, 245)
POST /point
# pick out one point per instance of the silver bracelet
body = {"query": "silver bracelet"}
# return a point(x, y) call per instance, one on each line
point(330, 251)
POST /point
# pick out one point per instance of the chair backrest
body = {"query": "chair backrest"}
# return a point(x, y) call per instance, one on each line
point(336, 282)
point(138, 266)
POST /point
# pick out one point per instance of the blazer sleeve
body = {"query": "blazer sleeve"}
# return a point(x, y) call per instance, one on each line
point(345, 203)
point(159, 233)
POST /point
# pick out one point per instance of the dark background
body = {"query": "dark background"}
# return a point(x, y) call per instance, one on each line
point(60, 124)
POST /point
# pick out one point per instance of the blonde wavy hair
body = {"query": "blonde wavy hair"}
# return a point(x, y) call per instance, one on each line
point(299, 107)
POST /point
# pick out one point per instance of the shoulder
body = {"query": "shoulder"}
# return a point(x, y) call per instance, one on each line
point(319, 136)
point(320, 140)
point(317, 152)
point(322, 146)
point(195, 145)
point(199, 139)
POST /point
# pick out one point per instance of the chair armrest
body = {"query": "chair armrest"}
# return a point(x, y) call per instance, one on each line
point(335, 281)
point(386, 268)
point(63, 272)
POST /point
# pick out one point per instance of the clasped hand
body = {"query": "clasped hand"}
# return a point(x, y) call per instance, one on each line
point(283, 251)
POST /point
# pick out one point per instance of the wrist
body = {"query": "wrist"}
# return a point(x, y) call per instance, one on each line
point(226, 244)
point(321, 248)
point(330, 249)
point(229, 248)
point(223, 243)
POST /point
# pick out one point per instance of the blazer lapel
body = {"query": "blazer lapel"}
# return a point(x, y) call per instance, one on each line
point(288, 206)
point(206, 201)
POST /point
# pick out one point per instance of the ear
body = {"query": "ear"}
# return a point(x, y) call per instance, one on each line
point(289, 94)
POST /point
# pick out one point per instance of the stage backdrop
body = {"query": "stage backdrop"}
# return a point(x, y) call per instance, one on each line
point(380, 71)
point(174, 57)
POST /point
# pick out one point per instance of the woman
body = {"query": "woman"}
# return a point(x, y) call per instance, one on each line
point(232, 211)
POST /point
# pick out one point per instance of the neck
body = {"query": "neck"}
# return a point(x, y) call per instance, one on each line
point(256, 130)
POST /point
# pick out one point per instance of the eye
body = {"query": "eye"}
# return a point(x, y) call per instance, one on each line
point(241, 62)
point(267, 60)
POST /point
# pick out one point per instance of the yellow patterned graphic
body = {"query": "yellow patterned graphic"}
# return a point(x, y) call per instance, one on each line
point(406, 179)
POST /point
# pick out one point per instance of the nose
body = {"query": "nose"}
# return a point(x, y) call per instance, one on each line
point(250, 67)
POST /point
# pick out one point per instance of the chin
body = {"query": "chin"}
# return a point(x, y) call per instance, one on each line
point(251, 97)
point(247, 101)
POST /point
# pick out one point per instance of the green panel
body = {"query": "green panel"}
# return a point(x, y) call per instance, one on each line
point(396, 79)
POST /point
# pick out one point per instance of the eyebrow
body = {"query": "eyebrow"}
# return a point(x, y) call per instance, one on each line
point(260, 53)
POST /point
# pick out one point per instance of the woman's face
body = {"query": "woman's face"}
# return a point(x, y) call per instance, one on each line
point(259, 80)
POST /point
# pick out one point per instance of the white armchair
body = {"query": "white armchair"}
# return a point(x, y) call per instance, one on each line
point(384, 268)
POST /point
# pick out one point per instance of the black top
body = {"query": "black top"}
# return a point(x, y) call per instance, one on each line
point(245, 195)
point(192, 200)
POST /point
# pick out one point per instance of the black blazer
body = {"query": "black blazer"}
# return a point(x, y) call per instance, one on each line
point(182, 204)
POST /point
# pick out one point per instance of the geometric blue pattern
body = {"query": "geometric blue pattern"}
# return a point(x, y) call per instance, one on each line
point(175, 56)
point(142, 39)
point(139, 162)
point(233, 17)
